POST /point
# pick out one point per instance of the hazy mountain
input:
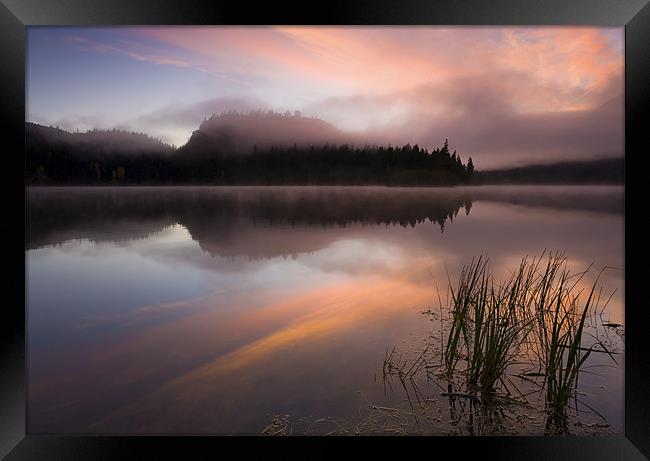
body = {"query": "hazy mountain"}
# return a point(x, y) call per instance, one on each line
point(94, 142)
point(234, 132)
point(234, 148)
point(596, 171)
point(107, 156)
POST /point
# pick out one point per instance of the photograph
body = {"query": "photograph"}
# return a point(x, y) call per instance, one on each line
point(303, 230)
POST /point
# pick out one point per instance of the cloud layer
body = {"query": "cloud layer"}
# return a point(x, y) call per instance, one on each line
point(502, 95)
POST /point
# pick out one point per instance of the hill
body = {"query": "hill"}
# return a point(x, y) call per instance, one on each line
point(93, 142)
point(597, 171)
point(262, 148)
point(56, 156)
point(241, 133)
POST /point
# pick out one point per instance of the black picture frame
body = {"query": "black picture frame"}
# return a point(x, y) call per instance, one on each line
point(16, 15)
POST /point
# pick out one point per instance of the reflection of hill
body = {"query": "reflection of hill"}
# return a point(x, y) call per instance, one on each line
point(259, 222)
point(58, 215)
point(596, 199)
point(213, 214)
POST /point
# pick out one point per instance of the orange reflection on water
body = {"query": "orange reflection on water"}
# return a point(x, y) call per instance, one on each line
point(308, 332)
point(330, 310)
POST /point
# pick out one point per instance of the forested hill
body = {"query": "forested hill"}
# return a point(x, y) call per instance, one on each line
point(265, 148)
point(92, 143)
point(254, 148)
point(237, 133)
point(597, 171)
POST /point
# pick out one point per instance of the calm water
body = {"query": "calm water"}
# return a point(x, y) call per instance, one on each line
point(212, 310)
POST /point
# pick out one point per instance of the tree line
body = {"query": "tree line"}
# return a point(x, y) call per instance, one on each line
point(70, 163)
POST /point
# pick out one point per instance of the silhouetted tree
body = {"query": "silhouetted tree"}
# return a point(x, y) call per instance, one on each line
point(56, 157)
point(445, 148)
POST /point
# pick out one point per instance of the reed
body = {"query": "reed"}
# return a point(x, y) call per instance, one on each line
point(487, 325)
point(561, 332)
point(534, 313)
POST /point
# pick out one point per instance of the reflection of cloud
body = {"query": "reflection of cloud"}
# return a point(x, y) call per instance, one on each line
point(314, 317)
point(328, 311)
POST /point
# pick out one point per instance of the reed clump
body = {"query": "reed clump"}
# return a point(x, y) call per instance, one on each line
point(560, 317)
point(538, 313)
point(489, 322)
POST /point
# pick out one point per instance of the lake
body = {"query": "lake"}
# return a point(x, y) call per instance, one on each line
point(239, 310)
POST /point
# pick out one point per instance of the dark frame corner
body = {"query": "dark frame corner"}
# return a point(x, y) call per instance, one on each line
point(16, 15)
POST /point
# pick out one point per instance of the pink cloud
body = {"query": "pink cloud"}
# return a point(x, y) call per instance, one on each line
point(546, 91)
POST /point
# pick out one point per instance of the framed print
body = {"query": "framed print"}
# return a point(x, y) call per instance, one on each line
point(415, 219)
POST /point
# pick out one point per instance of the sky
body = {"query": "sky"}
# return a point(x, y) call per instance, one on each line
point(503, 95)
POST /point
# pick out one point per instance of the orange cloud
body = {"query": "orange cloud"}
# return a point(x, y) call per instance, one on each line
point(566, 67)
point(417, 84)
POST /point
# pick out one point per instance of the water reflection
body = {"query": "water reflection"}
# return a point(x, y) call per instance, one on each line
point(209, 309)
point(214, 214)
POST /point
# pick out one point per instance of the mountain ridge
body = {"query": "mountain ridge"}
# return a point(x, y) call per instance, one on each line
point(243, 133)
point(601, 170)
point(256, 133)
point(95, 141)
